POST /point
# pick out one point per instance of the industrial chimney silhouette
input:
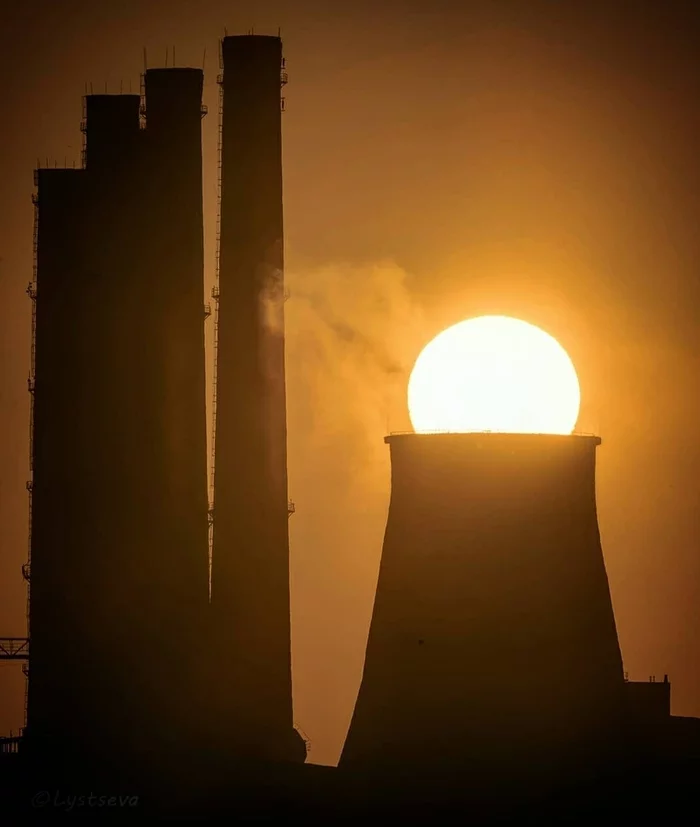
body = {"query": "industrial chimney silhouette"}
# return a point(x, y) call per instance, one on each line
point(492, 643)
point(250, 603)
point(119, 551)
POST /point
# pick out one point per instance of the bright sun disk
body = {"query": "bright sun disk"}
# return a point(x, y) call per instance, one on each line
point(494, 373)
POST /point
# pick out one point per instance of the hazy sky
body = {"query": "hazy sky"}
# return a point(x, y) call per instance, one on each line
point(442, 160)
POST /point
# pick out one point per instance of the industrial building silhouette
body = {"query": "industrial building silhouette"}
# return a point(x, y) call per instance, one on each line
point(159, 622)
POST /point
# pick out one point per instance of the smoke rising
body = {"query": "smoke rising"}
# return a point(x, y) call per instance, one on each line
point(352, 336)
point(272, 300)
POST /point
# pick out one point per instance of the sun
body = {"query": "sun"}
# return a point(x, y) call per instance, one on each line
point(494, 373)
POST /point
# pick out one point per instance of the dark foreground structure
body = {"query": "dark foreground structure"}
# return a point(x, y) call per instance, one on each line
point(493, 686)
point(493, 667)
point(119, 556)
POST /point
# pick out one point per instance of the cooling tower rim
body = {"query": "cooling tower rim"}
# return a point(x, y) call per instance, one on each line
point(239, 37)
point(500, 436)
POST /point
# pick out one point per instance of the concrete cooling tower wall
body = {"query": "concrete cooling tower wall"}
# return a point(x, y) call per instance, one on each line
point(493, 640)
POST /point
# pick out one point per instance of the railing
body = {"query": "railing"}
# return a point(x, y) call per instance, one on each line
point(142, 93)
point(14, 648)
point(651, 679)
point(10, 746)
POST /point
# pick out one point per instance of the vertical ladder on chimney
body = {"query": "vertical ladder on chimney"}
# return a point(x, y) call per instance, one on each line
point(142, 95)
point(32, 293)
point(284, 80)
point(215, 297)
point(84, 129)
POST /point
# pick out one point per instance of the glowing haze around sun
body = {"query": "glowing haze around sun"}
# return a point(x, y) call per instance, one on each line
point(494, 373)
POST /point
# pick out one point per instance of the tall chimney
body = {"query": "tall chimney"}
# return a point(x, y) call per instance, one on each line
point(492, 645)
point(60, 484)
point(171, 267)
point(87, 515)
point(250, 559)
point(119, 552)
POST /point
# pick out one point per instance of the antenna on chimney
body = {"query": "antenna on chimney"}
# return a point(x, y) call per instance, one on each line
point(166, 57)
point(204, 57)
point(145, 60)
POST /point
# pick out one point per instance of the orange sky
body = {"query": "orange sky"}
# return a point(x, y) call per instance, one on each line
point(532, 159)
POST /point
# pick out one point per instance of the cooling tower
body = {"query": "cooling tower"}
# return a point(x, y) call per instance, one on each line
point(492, 644)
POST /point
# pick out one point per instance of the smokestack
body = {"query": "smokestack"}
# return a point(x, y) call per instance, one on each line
point(59, 473)
point(250, 558)
point(492, 644)
point(111, 126)
point(87, 509)
point(88, 514)
point(119, 531)
point(173, 387)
